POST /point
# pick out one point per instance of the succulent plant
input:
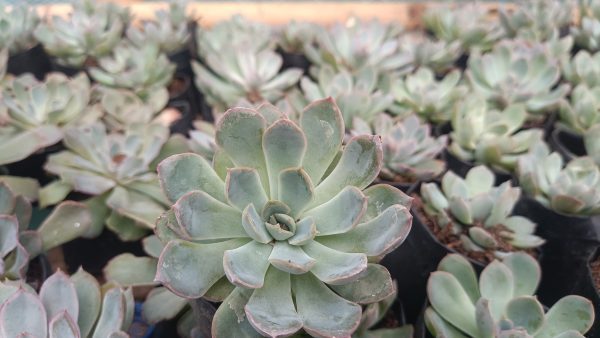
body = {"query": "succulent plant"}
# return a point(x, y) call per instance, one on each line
point(294, 35)
point(65, 307)
point(409, 151)
point(169, 29)
point(587, 32)
point(18, 23)
point(20, 244)
point(573, 190)
point(538, 20)
point(502, 304)
point(270, 224)
point(484, 135)
point(357, 96)
point(141, 69)
point(117, 169)
point(373, 314)
point(478, 213)
point(583, 68)
point(236, 33)
point(34, 114)
point(509, 75)
point(591, 139)
point(420, 93)
point(469, 24)
point(582, 111)
point(357, 44)
point(438, 55)
point(138, 271)
point(90, 32)
point(123, 107)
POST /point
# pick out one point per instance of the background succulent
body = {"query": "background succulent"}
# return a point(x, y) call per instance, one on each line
point(270, 224)
point(294, 35)
point(35, 113)
point(480, 134)
point(587, 32)
point(423, 51)
point(356, 44)
point(502, 304)
point(356, 95)
point(572, 190)
point(509, 75)
point(581, 112)
point(421, 93)
point(583, 68)
point(591, 139)
point(202, 139)
point(468, 24)
point(478, 213)
point(20, 244)
point(91, 31)
point(65, 307)
point(117, 170)
point(409, 151)
point(140, 69)
point(168, 30)
point(226, 78)
point(18, 23)
point(123, 107)
point(237, 32)
point(538, 20)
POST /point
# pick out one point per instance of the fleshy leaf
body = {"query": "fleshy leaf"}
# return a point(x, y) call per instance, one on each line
point(295, 189)
point(58, 294)
point(112, 314)
point(569, 313)
point(290, 258)
point(526, 273)
point(497, 285)
point(162, 304)
point(270, 309)
point(341, 213)
point(244, 187)
point(374, 286)
point(246, 266)
point(230, 321)
point(324, 313)
point(67, 221)
point(129, 270)
point(462, 270)
point(203, 266)
point(88, 294)
point(335, 267)
point(63, 326)
point(15, 309)
point(525, 312)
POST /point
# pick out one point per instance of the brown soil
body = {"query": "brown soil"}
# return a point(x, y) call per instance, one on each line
point(176, 87)
point(452, 241)
point(595, 267)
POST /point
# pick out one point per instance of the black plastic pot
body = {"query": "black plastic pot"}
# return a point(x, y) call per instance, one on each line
point(568, 144)
point(182, 60)
point(33, 166)
point(93, 254)
point(67, 70)
point(294, 60)
point(442, 129)
point(461, 168)
point(570, 241)
point(183, 124)
point(411, 264)
point(33, 60)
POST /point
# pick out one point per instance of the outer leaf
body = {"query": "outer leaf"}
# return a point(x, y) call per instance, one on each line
point(462, 270)
point(526, 272)
point(129, 270)
point(58, 295)
point(526, 312)
point(374, 286)
point(341, 213)
point(88, 294)
point(290, 258)
point(190, 269)
point(229, 319)
point(271, 310)
point(162, 304)
point(446, 295)
point(22, 305)
point(439, 327)
point(569, 313)
point(323, 126)
point(324, 313)
point(496, 284)
point(113, 313)
point(67, 221)
point(335, 267)
point(359, 165)
point(182, 173)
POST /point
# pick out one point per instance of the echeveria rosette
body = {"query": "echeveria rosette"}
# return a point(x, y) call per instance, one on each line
point(421, 93)
point(65, 307)
point(510, 74)
point(409, 150)
point(473, 206)
point(587, 32)
point(483, 135)
point(18, 23)
point(281, 211)
point(572, 190)
point(591, 141)
point(438, 55)
point(583, 68)
point(501, 304)
point(19, 244)
point(537, 20)
point(117, 170)
point(580, 112)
